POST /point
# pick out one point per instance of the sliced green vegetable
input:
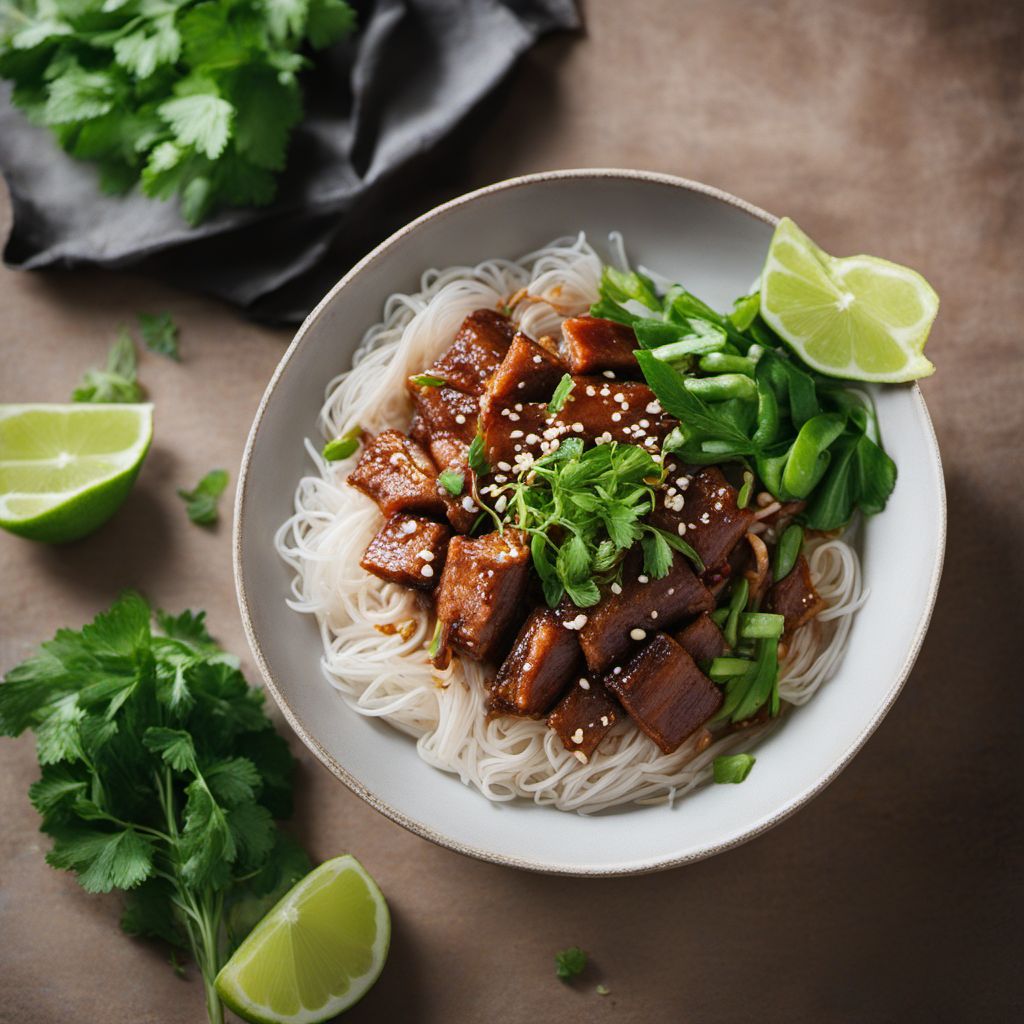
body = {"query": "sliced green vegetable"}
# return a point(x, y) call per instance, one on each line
point(342, 447)
point(787, 551)
point(732, 767)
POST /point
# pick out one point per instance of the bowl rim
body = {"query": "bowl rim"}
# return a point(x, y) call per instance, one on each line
point(419, 828)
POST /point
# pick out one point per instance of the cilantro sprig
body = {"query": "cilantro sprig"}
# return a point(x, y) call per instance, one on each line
point(202, 501)
point(118, 381)
point(161, 777)
point(197, 100)
point(584, 509)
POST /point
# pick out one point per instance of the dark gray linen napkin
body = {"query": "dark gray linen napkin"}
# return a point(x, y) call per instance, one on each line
point(384, 111)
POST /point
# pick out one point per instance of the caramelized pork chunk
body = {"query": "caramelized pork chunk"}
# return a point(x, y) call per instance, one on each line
point(701, 507)
point(665, 693)
point(398, 474)
point(481, 593)
point(641, 606)
point(478, 348)
point(528, 373)
point(583, 717)
point(543, 659)
point(592, 345)
point(794, 597)
point(702, 639)
point(445, 424)
point(408, 550)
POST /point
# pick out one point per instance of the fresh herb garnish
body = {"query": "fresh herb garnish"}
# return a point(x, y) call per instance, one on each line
point(561, 395)
point(342, 447)
point(193, 99)
point(161, 776)
point(732, 767)
point(603, 990)
point(570, 963)
point(583, 510)
point(118, 381)
point(809, 438)
point(160, 334)
point(476, 456)
point(201, 502)
point(452, 481)
point(428, 380)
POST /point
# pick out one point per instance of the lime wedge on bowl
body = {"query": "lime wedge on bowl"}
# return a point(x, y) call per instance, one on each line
point(857, 317)
point(316, 953)
point(65, 469)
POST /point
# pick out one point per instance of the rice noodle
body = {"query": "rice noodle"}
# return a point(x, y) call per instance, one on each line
point(375, 634)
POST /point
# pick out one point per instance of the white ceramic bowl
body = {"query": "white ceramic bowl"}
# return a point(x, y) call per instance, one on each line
point(716, 244)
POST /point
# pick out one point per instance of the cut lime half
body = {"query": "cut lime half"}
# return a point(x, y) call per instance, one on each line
point(857, 317)
point(315, 954)
point(65, 469)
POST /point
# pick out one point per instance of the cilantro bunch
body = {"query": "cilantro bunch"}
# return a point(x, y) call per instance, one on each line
point(197, 99)
point(584, 509)
point(161, 776)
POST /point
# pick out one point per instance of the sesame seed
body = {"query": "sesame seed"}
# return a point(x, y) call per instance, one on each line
point(460, 419)
point(625, 406)
point(501, 504)
point(654, 614)
point(514, 417)
point(516, 433)
point(580, 620)
point(617, 671)
point(578, 427)
point(468, 504)
point(591, 390)
point(604, 720)
point(500, 478)
point(610, 374)
point(518, 407)
point(577, 736)
point(671, 591)
point(718, 506)
point(426, 554)
point(427, 570)
point(584, 684)
point(642, 579)
point(396, 458)
point(653, 408)
point(605, 391)
point(638, 634)
point(616, 416)
point(504, 466)
point(527, 665)
point(521, 384)
point(618, 397)
point(580, 756)
point(537, 359)
point(705, 518)
point(645, 424)
point(409, 526)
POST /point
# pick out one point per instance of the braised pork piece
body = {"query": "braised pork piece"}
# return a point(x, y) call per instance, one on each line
point(642, 650)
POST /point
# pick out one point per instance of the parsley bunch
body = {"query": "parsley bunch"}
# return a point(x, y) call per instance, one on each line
point(161, 776)
point(197, 99)
point(583, 510)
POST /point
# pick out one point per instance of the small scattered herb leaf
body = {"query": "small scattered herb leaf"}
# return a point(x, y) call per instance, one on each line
point(452, 482)
point(201, 501)
point(561, 395)
point(160, 334)
point(570, 963)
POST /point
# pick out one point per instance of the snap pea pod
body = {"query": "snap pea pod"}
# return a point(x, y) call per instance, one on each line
point(743, 497)
point(767, 412)
point(737, 602)
point(787, 551)
point(720, 388)
point(722, 362)
point(809, 457)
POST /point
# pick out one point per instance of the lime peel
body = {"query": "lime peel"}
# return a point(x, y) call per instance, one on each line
point(855, 317)
point(315, 954)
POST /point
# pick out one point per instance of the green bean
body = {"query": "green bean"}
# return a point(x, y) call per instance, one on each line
point(767, 412)
point(696, 345)
point(719, 615)
point(720, 388)
point(809, 457)
point(758, 625)
point(724, 668)
point(764, 682)
point(722, 362)
point(787, 551)
point(737, 602)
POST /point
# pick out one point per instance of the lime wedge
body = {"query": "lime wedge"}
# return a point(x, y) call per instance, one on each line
point(858, 317)
point(65, 469)
point(315, 954)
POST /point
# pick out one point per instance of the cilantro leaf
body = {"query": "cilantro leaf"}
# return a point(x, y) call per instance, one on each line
point(570, 963)
point(118, 382)
point(452, 481)
point(103, 860)
point(160, 334)
point(202, 121)
point(201, 501)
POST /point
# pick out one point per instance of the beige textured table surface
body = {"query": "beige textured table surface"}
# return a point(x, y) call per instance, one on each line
point(889, 127)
